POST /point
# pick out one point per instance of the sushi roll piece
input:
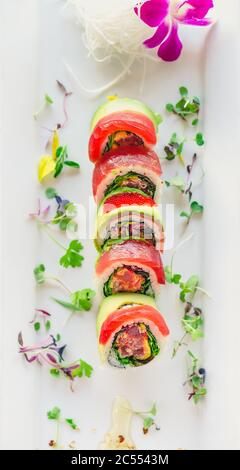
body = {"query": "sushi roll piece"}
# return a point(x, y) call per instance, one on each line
point(131, 331)
point(131, 266)
point(122, 122)
point(128, 215)
point(127, 167)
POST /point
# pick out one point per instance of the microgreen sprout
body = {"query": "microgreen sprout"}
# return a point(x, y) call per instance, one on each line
point(66, 94)
point(78, 301)
point(46, 102)
point(49, 353)
point(186, 107)
point(55, 415)
point(64, 218)
point(185, 187)
point(65, 214)
point(148, 418)
point(174, 148)
point(192, 323)
point(195, 208)
point(196, 379)
point(41, 318)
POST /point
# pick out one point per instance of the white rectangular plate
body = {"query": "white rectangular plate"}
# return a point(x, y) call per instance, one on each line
point(35, 40)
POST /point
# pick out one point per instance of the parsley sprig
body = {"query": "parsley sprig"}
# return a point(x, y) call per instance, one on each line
point(196, 379)
point(55, 415)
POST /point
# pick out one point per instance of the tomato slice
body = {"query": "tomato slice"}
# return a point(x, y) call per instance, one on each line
point(123, 315)
point(126, 199)
point(137, 123)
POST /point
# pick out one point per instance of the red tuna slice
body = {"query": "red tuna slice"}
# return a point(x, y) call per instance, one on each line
point(119, 162)
point(132, 253)
point(129, 121)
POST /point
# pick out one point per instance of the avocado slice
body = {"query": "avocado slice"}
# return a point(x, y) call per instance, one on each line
point(116, 301)
point(125, 104)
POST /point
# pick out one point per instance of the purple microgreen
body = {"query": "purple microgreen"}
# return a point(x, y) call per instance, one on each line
point(196, 379)
point(66, 94)
point(41, 316)
point(190, 167)
point(174, 148)
point(40, 213)
point(48, 352)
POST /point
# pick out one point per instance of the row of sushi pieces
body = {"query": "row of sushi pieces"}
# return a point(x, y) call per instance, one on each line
point(129, 232)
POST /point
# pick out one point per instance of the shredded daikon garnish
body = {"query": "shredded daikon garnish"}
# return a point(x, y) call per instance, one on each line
point(110, 30)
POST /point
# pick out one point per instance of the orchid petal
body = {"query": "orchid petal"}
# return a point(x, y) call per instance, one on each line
point(197, 22)
point(198, 11)
point(201, 3)
point(171, 48)
point(158, 36)
point(153, 12)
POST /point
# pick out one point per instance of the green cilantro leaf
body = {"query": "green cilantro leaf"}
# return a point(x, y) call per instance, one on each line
point(83, 298)
point(84, 369)
point(72, 257)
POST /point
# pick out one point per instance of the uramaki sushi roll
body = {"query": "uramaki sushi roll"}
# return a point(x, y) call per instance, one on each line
point(128, 215)
point(131, 331)
point(127, 167)
point(122, 122)
point(131, 266)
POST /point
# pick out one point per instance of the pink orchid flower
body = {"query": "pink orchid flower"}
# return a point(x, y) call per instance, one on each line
point(166, 15)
